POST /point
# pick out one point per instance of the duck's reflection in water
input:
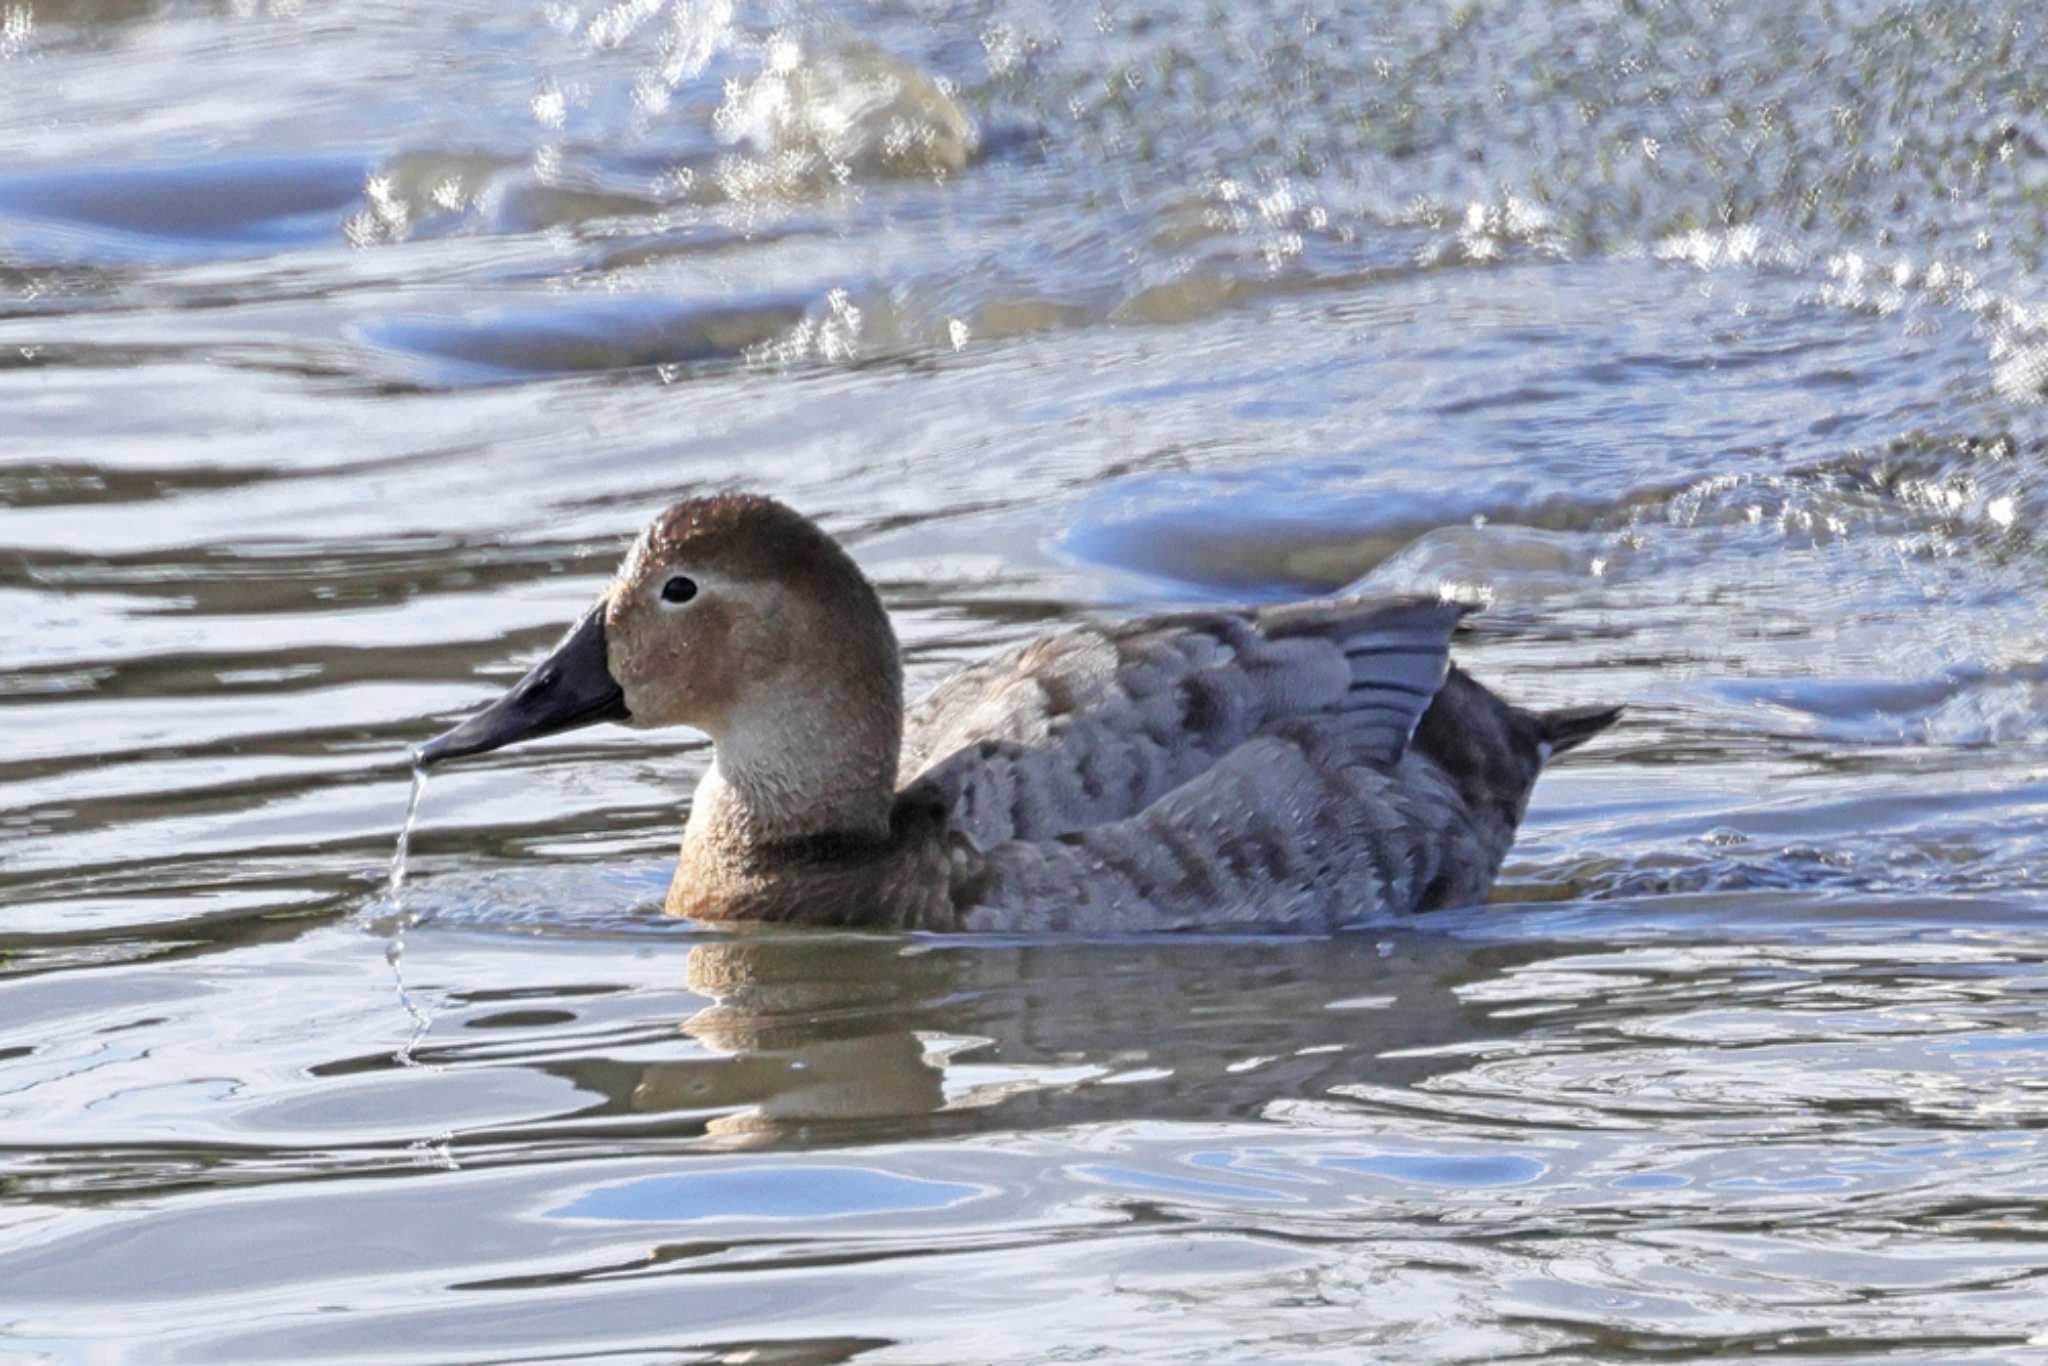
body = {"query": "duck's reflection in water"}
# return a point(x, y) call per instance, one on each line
point(825, 1038)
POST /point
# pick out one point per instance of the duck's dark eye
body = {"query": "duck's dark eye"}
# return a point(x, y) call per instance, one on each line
point(679, 589)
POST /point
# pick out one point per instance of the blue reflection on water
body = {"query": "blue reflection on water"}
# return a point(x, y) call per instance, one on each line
point(1167, 1183)
point(777, 1192)
point(182, 211)
point(1440, 1169)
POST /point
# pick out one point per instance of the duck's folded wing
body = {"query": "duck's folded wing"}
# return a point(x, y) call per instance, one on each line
point(1286, 832)
point(1092, 726)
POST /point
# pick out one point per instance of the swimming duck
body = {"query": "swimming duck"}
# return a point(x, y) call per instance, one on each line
point(1289, 767)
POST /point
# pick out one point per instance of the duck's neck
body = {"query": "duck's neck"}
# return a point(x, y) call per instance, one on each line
point(798, 768)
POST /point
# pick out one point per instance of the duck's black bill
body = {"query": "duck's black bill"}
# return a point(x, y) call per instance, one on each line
point(571, 687)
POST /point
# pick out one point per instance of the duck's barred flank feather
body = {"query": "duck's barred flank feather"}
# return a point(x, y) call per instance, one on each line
point(1303, 766)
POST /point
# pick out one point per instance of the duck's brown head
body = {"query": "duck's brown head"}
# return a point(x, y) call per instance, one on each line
point(733, 615)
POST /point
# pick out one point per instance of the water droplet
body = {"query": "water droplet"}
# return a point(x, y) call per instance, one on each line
point(395, 920)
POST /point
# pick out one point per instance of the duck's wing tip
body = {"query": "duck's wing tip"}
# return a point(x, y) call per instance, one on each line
point(1396, 654)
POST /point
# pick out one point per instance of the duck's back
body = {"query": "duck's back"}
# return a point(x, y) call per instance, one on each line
point(1300, 765)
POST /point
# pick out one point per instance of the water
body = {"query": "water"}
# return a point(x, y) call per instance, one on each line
point(394, 885)
point(342, 347)
point(395, 920)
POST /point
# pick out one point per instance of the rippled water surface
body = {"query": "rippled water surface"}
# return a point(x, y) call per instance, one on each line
point(342, 346)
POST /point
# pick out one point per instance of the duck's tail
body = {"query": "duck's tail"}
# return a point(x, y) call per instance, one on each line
point(1569, 727)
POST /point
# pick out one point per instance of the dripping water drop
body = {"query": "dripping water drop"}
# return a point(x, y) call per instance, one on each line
point(395, 919)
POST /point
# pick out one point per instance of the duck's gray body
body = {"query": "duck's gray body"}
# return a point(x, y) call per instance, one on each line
point(1292, 768)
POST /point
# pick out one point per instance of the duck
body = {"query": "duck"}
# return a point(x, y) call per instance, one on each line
point(1292, 767)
